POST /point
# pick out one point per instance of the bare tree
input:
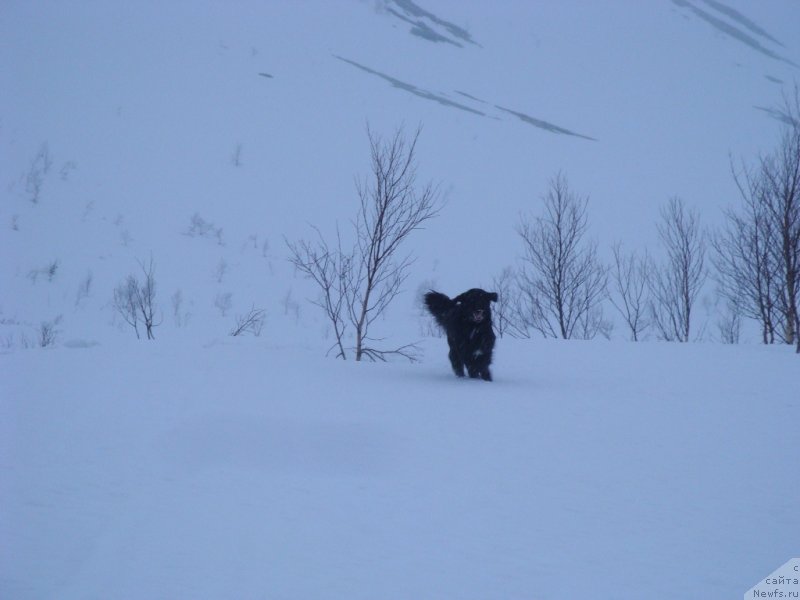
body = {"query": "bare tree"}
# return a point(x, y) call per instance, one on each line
point(745, 268)
point(758, 253)
point(391, 207)
point(134, 300)
point(781, 174)
point(562, 283)
point(359, 285)
point(675, 284)
point(629, 277)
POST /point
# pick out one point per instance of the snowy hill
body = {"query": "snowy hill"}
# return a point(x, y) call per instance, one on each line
point(136, 120)
point(201, 465)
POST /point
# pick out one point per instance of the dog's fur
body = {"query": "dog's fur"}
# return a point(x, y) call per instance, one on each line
point(467, 320)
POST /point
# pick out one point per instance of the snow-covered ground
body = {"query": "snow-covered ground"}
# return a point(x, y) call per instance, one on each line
point(247, 469)
point(201, 465)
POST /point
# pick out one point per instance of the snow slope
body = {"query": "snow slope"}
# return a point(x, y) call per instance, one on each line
point(146, 110)
point(245, 469)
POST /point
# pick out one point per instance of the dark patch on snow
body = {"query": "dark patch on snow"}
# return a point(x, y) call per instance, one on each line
point(416, 16)
point(420, 29)
point(408, 87)
point(547, 126)
point(774, 79)
point(466, 95)
point(735, 15)
point(267, 75)
point(732, 31)
point(442, 99)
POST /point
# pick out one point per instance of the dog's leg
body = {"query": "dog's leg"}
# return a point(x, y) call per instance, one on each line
point(455, 361)
point(486, 374)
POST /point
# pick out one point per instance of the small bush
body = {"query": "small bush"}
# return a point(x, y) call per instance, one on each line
point(252, 322)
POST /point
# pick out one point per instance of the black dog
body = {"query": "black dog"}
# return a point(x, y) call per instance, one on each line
point(467, 320)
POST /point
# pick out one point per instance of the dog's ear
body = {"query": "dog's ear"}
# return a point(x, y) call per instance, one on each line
point(493, 296)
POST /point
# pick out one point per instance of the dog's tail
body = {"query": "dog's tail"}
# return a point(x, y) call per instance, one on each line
point(440, 306)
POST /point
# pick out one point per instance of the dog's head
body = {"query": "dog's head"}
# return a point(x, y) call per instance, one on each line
point(475, 305)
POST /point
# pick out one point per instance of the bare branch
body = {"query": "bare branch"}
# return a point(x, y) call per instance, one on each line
point(125, 297)
point(251, 322)
point(411, 352)
point(145, 300)
point(331, 270)
point(504, 313)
